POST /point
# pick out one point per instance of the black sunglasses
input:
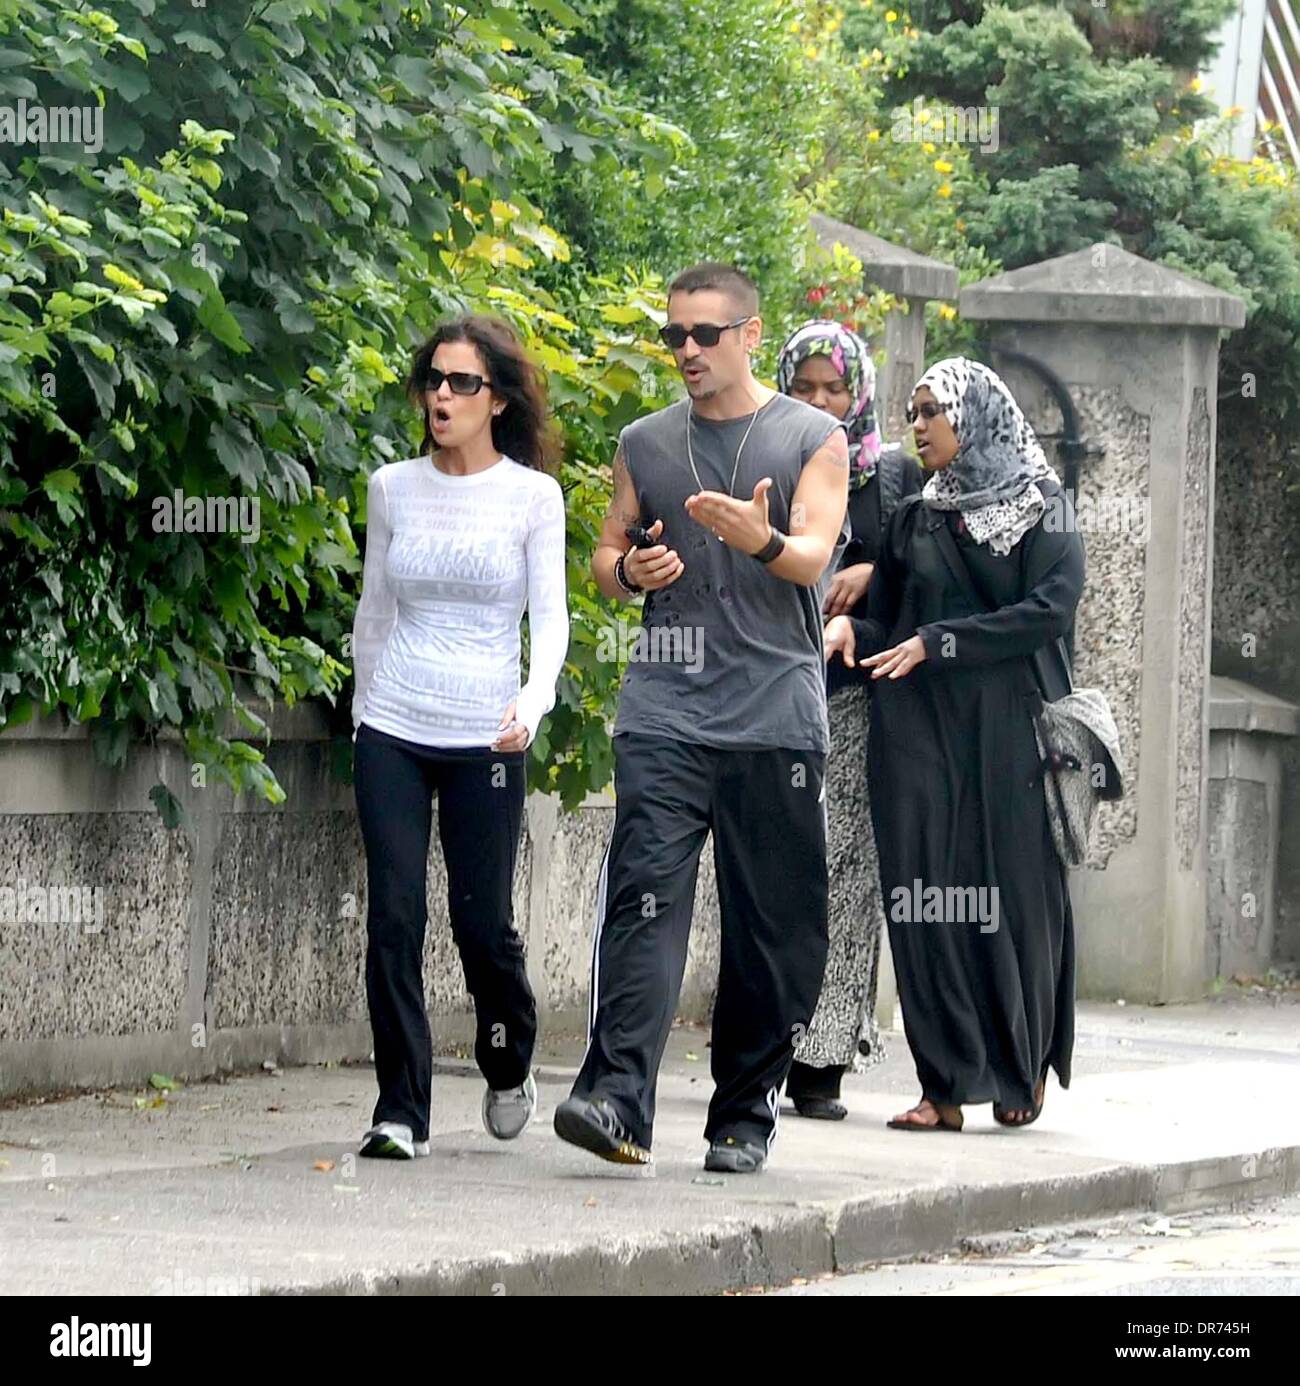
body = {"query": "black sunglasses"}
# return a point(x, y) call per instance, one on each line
point(927, 411)
point(461, 382)
point(706, 334)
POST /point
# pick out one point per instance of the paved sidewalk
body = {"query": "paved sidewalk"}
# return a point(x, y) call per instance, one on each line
point(252, 1183)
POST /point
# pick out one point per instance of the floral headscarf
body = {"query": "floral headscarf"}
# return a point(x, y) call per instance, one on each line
point(993, 479)
point(849, 355)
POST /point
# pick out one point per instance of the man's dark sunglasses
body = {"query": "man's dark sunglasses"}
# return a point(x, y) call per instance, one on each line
point(706, 334)
point(461, 382)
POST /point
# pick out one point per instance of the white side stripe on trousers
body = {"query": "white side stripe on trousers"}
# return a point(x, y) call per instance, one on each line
point(602, 887)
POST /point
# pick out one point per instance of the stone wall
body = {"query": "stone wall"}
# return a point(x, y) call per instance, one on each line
point(240, 936)
point(1256, 630)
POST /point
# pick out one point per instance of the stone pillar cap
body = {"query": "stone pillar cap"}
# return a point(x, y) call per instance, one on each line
point(1238, 706)
point(891, 267)
point(1103, 283)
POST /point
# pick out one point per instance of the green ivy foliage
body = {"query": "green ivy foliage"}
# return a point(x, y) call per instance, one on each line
point(220, 295)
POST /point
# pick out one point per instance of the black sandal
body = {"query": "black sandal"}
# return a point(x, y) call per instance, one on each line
point(1040, 1095)
point(820, 1108)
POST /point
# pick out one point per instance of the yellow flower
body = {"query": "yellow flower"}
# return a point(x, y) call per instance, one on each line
point(946, 310)
point(794, 26)
point(873, 135)
point(1232, 111)
point(929, 146)
point(942, 166)
point(1195, 84)
point(945, 190)
point(923, 117)
point(877, 56)
point(810, 51)
point(891, 16)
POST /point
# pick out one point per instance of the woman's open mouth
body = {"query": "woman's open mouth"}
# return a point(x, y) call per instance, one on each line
point(441, 419)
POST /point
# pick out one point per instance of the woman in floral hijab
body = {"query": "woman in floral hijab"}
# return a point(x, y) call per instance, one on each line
point(851, 361)
point(829, 367)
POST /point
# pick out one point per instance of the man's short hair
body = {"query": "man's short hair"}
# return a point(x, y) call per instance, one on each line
point(724, 279)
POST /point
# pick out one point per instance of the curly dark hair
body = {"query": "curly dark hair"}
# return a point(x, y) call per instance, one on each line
point(522, 430)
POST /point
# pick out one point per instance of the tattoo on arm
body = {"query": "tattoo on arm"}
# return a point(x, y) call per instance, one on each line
point(618, 509)
point(836, 449)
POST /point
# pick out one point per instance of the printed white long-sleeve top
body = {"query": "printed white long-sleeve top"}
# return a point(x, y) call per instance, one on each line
point(451, 564)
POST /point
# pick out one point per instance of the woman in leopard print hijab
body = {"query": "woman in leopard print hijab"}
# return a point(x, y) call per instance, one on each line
point(993, 479)
point(974, 591)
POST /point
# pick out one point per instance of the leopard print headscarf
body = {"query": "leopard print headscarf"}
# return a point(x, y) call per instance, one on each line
point(993, 479)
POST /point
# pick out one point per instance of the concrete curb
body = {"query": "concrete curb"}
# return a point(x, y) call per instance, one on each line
point(778, 1247)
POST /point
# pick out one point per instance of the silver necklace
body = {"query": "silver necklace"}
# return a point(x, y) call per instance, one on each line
point(690, 454)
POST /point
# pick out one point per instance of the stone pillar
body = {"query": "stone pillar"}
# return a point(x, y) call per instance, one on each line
point(1249, 735)
point(913, 279)
point(1137, 346)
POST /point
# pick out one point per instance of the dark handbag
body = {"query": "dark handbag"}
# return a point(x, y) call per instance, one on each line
point(1078, 742)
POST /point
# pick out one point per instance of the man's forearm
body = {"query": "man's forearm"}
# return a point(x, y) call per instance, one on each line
point(803, 559)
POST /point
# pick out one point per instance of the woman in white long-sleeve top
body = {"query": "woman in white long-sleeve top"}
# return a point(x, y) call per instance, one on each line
point(459, 541)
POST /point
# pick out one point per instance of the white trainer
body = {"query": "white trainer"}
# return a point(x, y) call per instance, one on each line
point(392, 1140)
point(508, 1112)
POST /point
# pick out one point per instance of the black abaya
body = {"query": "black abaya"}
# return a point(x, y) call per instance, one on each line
point(958, 797)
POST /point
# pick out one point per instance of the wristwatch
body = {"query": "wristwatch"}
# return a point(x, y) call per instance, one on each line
point(773, 546)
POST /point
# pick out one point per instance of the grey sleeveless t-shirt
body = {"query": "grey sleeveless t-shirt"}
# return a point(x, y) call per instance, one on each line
point(730, 655)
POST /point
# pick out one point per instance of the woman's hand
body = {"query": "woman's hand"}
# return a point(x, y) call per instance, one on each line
point(847, 588)
point(898, 662)
point(514, 735)
point(838, 638)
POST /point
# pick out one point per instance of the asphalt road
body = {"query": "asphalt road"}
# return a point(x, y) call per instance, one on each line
point(1250, 1250)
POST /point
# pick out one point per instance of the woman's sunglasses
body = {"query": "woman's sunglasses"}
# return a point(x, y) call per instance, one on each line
point(461, 382)
point(706, 334)
point(927, 411)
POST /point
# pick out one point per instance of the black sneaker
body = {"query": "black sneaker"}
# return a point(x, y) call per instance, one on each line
point(730, 1156)
point(820, 1108)
point(597, 1127)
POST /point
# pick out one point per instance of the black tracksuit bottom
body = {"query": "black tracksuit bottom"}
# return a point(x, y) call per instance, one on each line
point(480, 813)
point(765, 809)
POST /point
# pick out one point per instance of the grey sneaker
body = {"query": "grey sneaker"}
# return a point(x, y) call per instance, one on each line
point(730, 1156)
point(508, 1112)
point(392, 1140)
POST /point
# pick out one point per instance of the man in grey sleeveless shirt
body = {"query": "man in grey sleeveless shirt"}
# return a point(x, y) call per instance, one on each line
point(721, 727)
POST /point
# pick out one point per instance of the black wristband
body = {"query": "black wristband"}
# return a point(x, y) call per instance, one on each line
point(773, 546)
point(620, 577)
